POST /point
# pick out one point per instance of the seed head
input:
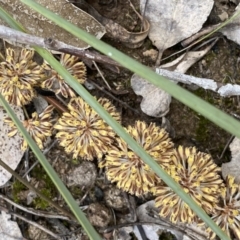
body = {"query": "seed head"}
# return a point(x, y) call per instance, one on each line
point(57, 84)
point(18, 75)
point(127, 169)
point(227, 211)
point(198, 175)
point(83, 132)
point(39, 127)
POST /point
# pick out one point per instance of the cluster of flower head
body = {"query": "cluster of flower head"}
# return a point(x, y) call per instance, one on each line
point(127, 169)
point(39, 127)
point(18, 77)
point(227, 211)
point(56, 83)
point(198, 175)
point(83, 133)
point(20, 74)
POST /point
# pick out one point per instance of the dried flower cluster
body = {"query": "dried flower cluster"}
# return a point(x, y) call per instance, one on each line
point(39, 127)
point(198, 175)
point(83, 132)
point(227, 211)
point(127, 169)
point(18, 75)
point(57, 84)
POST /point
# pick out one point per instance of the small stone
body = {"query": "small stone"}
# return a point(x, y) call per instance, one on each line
point(223, 16)
point(233, 167)
point(115, 199)
point(155, 101)
point(36, 233)
point(84, 175)
point(99, 215)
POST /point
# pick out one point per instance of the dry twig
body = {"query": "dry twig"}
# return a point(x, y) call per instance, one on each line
point(33, 211)
point(33, 223)
point(53, 44)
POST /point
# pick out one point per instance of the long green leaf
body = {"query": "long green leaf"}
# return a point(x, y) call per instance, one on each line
point(52, 174)
point(44, 162)
point(138, 68)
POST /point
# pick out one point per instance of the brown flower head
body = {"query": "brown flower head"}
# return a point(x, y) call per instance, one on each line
point(57, 84)
point(127, 169)
point(83, 132)
point(227, 212)
point(39, 127)
point(18, 75)
point(198, 175)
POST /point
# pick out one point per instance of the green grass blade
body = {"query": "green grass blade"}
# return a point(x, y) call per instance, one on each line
point(53, 175)
point(44, 162)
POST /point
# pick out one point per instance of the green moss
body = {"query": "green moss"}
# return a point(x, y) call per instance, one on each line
point(127, 83)
point(76, 191)
point(133, 236)
point(211, 56)
point(147, 44)
point(137, 28)
point(17, 187)
point(47, 188)
point(75, 161)
point(40, 174)
point(39, 203)
point(167, 236)
point(202, 133)
point(205, 95)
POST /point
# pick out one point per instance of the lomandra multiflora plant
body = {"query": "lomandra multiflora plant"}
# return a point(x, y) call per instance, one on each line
point(18, 76)
point(39, 126)
point(56, 83)
point(227, 211)
point(82, 132)
point(198, 175)
point(127, 169)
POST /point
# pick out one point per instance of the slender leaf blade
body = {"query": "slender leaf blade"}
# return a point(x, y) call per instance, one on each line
point(44, 162)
